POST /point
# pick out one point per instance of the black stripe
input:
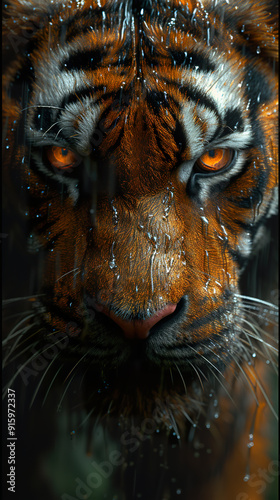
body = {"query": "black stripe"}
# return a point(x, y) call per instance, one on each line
point(255, 197)
point(91, 60)
point(138, 5)
point(198, 97)
point(22, 84)
point(47, 226)
point(165, 154)
point(77, 96)
point(240, 259)
point(208, 318)
point(157, 100)
point(51, 244)
point(248, 226)
point(192, 59)
point(65, 314)
point(257, 88)
point(232, 121)
point(73, 97)
point(83, 60)
point(82, 22)
point(44, 118)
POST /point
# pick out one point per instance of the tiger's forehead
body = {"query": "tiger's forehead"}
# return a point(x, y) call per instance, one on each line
point(103, 63)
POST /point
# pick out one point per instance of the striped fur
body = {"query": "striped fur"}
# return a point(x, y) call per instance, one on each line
point(139, 91)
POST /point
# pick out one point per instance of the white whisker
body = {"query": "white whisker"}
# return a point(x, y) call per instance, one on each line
point(17, 299)
point(15, 332)
point(42, 378)
point(259, 301)
point(69, 272)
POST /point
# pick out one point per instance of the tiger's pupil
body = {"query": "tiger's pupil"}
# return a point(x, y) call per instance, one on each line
point(64, 151)
point(212, 153)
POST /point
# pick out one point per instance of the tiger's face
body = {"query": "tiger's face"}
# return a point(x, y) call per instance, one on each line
point(146, 144)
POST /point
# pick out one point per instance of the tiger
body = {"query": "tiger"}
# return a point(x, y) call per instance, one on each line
point(140, 164)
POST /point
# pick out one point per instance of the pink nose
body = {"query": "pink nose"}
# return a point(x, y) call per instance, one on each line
point(139, 329)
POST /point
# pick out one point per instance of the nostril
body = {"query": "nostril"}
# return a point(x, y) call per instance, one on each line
point(139, 329)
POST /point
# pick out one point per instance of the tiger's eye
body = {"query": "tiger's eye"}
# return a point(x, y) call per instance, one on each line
point(62, 158)
point(215, 159)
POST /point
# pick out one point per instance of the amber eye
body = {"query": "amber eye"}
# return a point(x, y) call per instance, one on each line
point(215, 159)
point(62, 158)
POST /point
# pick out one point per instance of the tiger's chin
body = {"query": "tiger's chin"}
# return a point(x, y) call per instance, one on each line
point(161, 377)
point(138, 389)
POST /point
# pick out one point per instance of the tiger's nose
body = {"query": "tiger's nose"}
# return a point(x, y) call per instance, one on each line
point(139, 329)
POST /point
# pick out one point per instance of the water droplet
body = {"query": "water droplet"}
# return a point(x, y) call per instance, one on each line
point(246, 478)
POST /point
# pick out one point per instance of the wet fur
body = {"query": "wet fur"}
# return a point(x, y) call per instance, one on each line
point(182, 406)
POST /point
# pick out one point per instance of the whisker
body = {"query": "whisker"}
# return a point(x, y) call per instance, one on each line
point(255, 299)
point(19, 355)
point(261, 354)
point(20, 335)
point(182, 378)
point(86, 418)
point(222, 385)
point(263, 393)
point(53, 125)
point(75, 366)
point(173, 423)
point(24, 342)
point(255, 334)
point(207, 361)
point(58, 133)
point(69, 272)
point(198, 376)
point(258, 314)
point(14, 333)
point(40, 106)
point(20, 368)
point(63, 395)
point(187, 415)
point(51, 384)
point(15, 315)
point(248, 381)
point(29, 298)
point(42, 378)
point(261, 341)
point(171, 375)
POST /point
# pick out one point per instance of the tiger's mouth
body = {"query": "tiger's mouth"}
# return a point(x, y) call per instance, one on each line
point(102, 345)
